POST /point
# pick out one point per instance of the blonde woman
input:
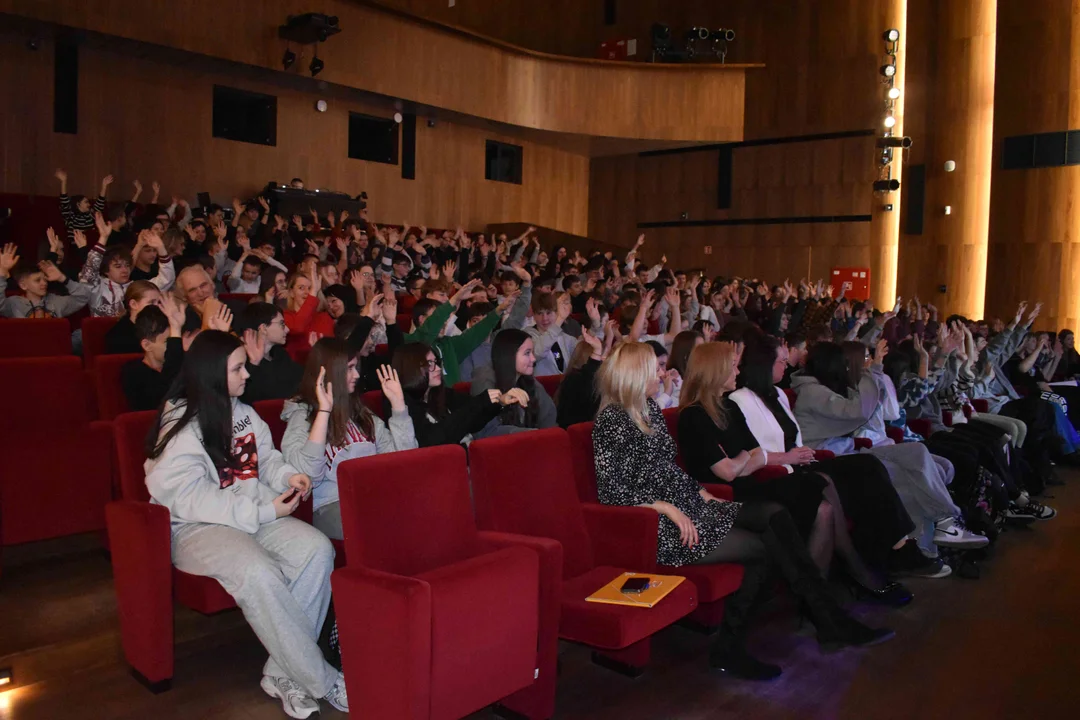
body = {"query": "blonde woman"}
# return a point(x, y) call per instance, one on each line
point(635, 466)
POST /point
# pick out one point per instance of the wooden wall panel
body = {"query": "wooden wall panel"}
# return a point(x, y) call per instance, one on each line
point(152, 120)
point(784, 180)
point(394, 55)
point(1035, 214)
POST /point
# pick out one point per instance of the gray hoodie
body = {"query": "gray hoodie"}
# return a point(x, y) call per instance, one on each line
point(183, 478)
point(52, 305)
point(823, 414)
point(321, 462)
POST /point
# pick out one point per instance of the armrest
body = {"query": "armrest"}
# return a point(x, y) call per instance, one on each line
point(981, 405)
point(920, 426)
point(770, 472)
point(384, 627)
point(946, 418)
point(624, 537)
point(824, 454)
point(895, 434)
point(139, 537)
point(720, 490)
point(862, 443)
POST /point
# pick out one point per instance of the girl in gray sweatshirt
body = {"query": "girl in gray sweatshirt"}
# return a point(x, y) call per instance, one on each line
point(212, 463)
point(328, 424)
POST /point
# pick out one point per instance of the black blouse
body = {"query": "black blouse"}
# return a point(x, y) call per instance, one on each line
point(703, 444)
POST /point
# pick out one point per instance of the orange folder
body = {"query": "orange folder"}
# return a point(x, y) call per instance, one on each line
point(658, 589)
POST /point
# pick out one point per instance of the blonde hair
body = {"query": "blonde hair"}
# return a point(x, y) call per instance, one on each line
point(623, 380)
point(709, 369)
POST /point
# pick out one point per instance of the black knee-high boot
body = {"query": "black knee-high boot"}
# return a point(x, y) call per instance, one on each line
point(835, 628)
point(729, 651)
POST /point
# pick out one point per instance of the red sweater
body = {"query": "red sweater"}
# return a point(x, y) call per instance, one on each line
point(304, 321)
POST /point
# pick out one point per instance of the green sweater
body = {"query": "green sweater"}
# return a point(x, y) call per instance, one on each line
point(452, 349)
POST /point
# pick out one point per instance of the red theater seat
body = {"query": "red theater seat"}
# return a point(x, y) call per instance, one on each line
point(109, 390)
point(524, 483)
point(550, 383)
point(714, 582)
point(94, 330)
point(57, 464)
point(35, 338)
point(373, 400)
point(437, 620)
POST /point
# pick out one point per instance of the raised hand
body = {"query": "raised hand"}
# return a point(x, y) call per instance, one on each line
point(9, 257)
point(389, 308)
point(174, 310)
point(104, 229)
point(264, 203)
point(391, 387)
point(79, 238)
point(593, 341)
point(157, 191)
point(221, 319)
point(237, 207)
point(298, 222)
point(138, 189)
point(373, 307)
point(105, 183)
point(331, 219)
point(54, 242)
point(1035, 313)
point(640, 241)
point(880, 351)
point(508, 301)
point(61, 175)
point(449, 269)
point(592, 309)
point(671, 295)
point(52, 274)
point(324, 392)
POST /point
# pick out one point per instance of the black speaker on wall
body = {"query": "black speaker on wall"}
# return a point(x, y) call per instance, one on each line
point(66, 88)
point(408, 146)
point(915, 204)
point(723, 183)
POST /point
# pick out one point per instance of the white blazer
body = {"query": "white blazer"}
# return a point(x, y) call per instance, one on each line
point(760, 420)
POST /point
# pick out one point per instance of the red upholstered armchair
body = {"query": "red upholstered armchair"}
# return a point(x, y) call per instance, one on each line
point(437, 620)
point(145, 579)
point(35, 338)
point(57, 472)
point(550, 383)
point(108, 388)
point(714, 582)
point(524, 483)
point(94, 330)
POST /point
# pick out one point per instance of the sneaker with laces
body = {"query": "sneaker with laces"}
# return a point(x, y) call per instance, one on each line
point(951, 532)
point(909, 561)
point(295, 701)
point(337, 696)
point(1032, 511)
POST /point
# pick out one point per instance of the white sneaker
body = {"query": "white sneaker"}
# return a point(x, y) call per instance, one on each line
point(295, 701)
point(337, 696)
point(950, 532)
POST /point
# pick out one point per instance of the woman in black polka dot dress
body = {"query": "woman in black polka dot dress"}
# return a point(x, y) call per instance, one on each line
point(635, 465)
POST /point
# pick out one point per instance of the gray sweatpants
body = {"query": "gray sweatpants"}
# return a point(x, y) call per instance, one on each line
point(280, 578)
point(920, 481)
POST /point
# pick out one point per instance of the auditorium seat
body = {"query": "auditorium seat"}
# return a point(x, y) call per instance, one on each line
point(94, 330)
point(524, 483)
point(373, 400)
point(109, 390)
point(57, 471)
point(20, 338)
point(714, 582)
point(435, 619)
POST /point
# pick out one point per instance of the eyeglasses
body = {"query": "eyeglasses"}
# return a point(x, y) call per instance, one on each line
point(432, 364)
point(367, 274)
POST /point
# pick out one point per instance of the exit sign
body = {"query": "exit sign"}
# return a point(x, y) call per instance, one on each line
point(708, 249)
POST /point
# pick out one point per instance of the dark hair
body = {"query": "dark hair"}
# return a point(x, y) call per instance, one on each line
point(345, 325)
point(255, 315)
point(659, 349)
point(855, 354)
point(333, 354)
point(422, 308)
point(115, 252)
point(296, 180)
point(504, 349)
point(268, 277)
point(901, 359)
point(203, 386)
point(150, 323)
point(252, 261)
point(115, 213)
point(795, 339)
point(75, 200)
point(410, 362)
point(345, 294)
point(756, 365)
point(826, 363)
point(213, 208)
point(681, 347)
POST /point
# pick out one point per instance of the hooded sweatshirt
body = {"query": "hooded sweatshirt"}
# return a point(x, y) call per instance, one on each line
point(183, 478)
point(107, 297)
point(823, 414)
point(56, 306)
point(321, 461)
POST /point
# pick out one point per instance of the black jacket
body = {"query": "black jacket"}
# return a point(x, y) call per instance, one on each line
point(466, 415)
point(145, 387)
point(277, 377)
point(577, 401)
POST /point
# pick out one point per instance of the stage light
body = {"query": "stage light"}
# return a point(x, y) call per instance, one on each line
point(890, 121)
point(891, 35)
point(888, 70)
point(316, 66)
point(886, 186)
point(288, 58)
point(894, 93)
point(894, 142)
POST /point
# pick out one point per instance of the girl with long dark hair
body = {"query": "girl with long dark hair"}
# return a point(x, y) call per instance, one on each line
point(635, 466)
point(440, 414)
point(229, 493)
point(512, 365)
point(328, 424)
